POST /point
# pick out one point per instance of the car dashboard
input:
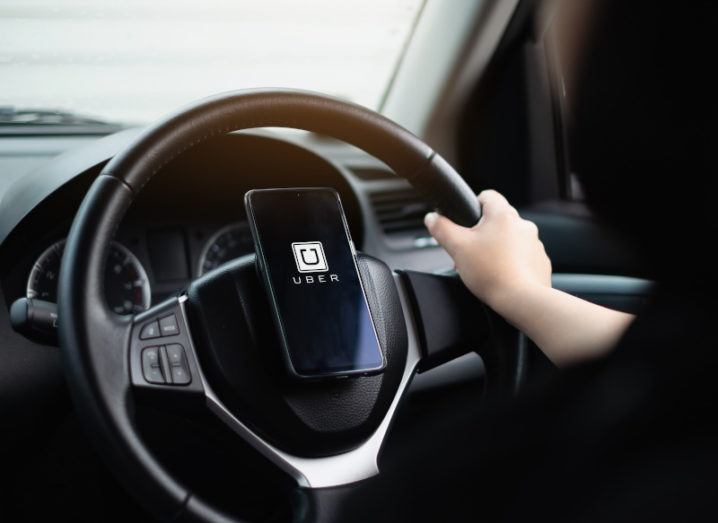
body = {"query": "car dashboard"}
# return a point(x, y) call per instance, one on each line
point(190, 218)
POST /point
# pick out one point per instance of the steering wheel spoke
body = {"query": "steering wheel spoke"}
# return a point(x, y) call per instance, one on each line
point(163, 360)
point(450, 322)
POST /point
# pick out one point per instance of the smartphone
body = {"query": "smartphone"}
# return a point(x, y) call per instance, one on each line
point(308, 263)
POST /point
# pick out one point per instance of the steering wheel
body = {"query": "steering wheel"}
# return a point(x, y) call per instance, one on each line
point(219, 344)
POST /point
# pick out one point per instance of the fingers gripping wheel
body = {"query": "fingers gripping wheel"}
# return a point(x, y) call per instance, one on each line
point(105, 355)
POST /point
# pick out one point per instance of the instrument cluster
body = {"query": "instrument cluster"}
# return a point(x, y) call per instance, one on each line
point(128, 288)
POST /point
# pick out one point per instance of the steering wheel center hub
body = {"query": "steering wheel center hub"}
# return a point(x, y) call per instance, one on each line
point(231, 319)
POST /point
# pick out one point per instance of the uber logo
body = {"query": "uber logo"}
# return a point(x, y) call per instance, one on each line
point(310, 257)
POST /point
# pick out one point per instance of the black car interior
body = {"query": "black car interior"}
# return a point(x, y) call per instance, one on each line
point(88, 436)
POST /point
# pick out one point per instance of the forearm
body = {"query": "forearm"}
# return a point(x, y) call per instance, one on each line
point(503, 262)
point(566, 328)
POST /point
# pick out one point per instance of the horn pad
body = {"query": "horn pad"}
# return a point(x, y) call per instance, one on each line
point(239, 350)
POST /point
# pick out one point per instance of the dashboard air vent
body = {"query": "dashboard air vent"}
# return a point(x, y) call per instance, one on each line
point(399, 211)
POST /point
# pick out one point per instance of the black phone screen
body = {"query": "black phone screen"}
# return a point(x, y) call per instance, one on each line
point(309, 267)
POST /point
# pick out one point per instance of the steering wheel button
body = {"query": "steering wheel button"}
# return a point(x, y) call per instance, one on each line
point(178, 364)
point(168, 326)
point(175, 354)
point(149, 331)
point(151, 368)
point(151, 358)
point(180, 376)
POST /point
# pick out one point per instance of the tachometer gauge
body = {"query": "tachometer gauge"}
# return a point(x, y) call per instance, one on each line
point(228, 243)
point(127, 289)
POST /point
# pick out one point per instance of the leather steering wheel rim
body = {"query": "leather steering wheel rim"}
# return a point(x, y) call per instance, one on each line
point(98, 378)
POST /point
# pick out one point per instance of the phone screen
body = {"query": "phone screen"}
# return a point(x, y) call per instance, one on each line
point(309, 267)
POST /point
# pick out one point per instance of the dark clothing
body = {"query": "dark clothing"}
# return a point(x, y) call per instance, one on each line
point(631, 437)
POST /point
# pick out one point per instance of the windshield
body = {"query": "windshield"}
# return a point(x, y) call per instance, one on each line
point(131, 61)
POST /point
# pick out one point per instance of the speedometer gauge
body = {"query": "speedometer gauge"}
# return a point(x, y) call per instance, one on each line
point(127, 289)
point(228, 243)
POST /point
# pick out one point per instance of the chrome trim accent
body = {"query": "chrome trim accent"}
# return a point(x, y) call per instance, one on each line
point(349, 467)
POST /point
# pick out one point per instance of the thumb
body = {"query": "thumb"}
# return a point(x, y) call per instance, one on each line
point(444, 231)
